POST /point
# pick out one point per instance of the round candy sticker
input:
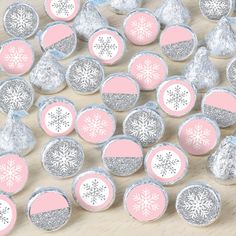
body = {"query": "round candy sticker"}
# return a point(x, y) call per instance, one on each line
point(49, 209)
point(95, 124)
point(178, 42)
point(198, 135)
point(107, 45)
point(120, 92)
point(94, 190)
point(64, 10)
point(166, 163)
point(145, 200)
point(16, 57)
point(141, 27)
point(123, 155)
point(176, 96)
point(148, 69)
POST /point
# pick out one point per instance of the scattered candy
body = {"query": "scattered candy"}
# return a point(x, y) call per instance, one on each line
point(124, 6)
point(231, 73)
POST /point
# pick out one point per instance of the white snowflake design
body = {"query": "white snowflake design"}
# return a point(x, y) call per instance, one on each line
point(95, 126)
point(141, 29)
point(10, 173)
point(177, 97)
point(16, 58)
point(63, 8)
point(146, 202)
point(5, 214)
point(148, 71)
point(198, 136)
point(94, 191)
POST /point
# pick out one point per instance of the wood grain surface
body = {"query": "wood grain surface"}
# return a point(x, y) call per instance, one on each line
point(116, 221)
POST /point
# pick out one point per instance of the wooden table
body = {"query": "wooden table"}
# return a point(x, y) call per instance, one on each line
point(116, 221)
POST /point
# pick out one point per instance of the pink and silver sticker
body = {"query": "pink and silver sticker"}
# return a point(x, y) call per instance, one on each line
point(57, 116)
point(220, 105)
point(63, 10)
point(122, 155)
point(141, 27)
point(146, 200)
point(107, 45)
point(178, 42)
point(94, 190)
point(148, 69)
point(8, 214)
point(16, 57)
point(120, 92)
point(166, 163)
point(95, 124)
point(176, 96)
point(49, 209)
point(199, 135)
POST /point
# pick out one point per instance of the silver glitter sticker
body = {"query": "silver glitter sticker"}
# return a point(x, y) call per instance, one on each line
point(21, 20)
point(16, 94)
point(231, 73)
point(124, 6)
point(198, 204)
point(63, 157)
point(85, 75)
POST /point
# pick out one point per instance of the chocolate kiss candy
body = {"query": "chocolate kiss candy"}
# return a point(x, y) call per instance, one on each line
point(124, 6)
point(165, 14)
point(16, 136)
point(201, 71)
point(221, 41)
point(88, 21)
point(48, 76)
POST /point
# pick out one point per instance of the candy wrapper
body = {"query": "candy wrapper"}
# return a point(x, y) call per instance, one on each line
point(124, 6)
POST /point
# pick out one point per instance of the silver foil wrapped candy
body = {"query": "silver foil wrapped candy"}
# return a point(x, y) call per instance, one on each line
point(222, 163)
point(88, 21)
point(124, 6)
point(48, 76)
point(15, 136)
point(201, 71)
point(231, 73)
point(165, 14)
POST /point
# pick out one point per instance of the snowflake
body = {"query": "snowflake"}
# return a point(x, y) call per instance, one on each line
point(141, 29)
point(215, 8)
point(95, 191)
point(10, 173)
point(198, 204)
point(4, 214)
point(16, 58)
point(148, 71)
point(95, 126)
point(177, 97)
point(166, 164)
point(145, 202)
point(198, 136)
point(63, 7)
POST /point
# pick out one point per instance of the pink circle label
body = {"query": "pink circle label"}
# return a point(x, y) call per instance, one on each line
point(58, 119)
point(94, 191)
point(13, 173)
point(146, 202)
point(16, 57)
point(176, 97)
point(148, 69)
point(198, 136)
point(141, 28)
point(166, 163)
point(8, 215)
point(107, 45)
point(64, 10)
point(95, 125)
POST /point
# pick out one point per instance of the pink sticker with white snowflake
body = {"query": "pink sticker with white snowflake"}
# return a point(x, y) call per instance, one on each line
point(176, 96)
point(146, 200)
point(57, 118)
point(141, 27)
point(148, 69)
point(13, 173)
point(8, 214)
point(64, 10)
point(199, 135)
point(107, 45)
point(94, 190)
point(96, 124)
point(166, 163)
point(16, 57)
